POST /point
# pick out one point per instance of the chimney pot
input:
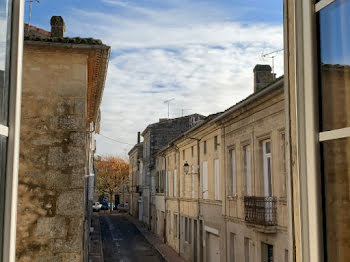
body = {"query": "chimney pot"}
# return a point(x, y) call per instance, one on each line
point(58, 26)
point(262, 76)
point(138, 137)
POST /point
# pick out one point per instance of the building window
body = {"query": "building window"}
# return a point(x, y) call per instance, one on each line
point(205, 180)
point(232, 248)
point(216, 143)
point(286, 255)
point(247, 171)
point(192, 151)
point(266, 253)
point(192, 181)
point(175, 183)
point(167, 181)
point(183, 184)
point(189, 230)
point(283, 164)
point(205, 147)
point(217, 179)
point(334, 115)
point(183, 154)
point(11, 43)
point(161, 181)
point(233, 176)
point(175, 226)
point(186, 229)
point(266, 159)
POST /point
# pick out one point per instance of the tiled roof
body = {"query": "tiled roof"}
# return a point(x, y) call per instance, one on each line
point(67, 40)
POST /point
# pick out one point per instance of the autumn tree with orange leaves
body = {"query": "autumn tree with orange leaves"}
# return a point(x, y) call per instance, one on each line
point(111, 173)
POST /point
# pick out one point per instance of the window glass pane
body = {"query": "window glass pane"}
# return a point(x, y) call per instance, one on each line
point(3, 151)
point(5, 23)
point(336, 171)
point(334, 23)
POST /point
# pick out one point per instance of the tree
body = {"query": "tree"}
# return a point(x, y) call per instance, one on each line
point(111, 173)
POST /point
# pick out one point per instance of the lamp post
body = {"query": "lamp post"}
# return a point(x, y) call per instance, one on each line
point(186, 168)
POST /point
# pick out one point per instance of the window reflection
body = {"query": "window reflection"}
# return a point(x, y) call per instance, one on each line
point(336, 155)
point(3, 151)
point(334, 22)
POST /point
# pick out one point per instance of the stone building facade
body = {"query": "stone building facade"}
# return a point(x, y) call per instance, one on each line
point(156, 136)
point(226, 182)
point(63, 82)
point(255, 201)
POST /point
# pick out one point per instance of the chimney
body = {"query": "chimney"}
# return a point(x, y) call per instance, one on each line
point(262, 76)
point(58, 27)
point(138, 137)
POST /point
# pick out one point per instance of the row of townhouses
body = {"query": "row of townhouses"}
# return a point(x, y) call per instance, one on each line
point(215, 190)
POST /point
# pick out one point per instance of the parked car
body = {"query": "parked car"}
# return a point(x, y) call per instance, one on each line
point(105, 206)
point(96, 206)
point(123, 207)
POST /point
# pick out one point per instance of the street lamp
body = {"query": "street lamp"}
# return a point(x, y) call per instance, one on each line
point(186, 168)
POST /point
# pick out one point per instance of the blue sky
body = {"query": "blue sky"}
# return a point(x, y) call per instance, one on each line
point(202, 53)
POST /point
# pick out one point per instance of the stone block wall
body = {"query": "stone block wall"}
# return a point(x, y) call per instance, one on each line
point(53, 156)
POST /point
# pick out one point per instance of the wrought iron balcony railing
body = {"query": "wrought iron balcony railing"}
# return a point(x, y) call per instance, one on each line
point(260, 210)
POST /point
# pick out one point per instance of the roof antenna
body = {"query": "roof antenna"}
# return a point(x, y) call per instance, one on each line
point(272, 55)
point(30, 12)
point(168, 102)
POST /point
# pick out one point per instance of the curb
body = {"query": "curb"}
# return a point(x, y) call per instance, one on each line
point(169, 254)
point(95, 243)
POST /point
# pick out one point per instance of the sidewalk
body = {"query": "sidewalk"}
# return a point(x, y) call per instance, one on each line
point(95, 244)
point(166, 251)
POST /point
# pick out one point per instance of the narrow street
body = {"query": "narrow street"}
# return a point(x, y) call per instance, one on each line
point(122, 241)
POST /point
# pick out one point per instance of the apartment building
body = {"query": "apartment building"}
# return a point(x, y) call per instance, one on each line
point(135, 177)
point(317, 74)
point(156, 136)
point(255, 202)
point(226, 184)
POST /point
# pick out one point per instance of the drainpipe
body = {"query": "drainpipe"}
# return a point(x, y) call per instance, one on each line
point(178, 194)
point(165, 196)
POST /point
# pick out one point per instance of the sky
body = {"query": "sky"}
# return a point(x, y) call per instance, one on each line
point(201, 53)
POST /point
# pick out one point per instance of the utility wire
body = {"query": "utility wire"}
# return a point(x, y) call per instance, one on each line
point(120, 142)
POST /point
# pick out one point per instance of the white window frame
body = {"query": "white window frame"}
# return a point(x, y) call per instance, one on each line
point(183, 184)
point(217, 179)
point(233, 172)
point(308, 134)
point(12, 132)
point(167, 181)
point(205, 188)
point(192, 181)
point(174, 183)
point(247, 172)
point(267, 157)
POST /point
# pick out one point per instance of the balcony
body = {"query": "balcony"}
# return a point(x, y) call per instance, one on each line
point(261, 212)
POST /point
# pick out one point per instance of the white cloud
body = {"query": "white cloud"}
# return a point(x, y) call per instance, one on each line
point(203, 61)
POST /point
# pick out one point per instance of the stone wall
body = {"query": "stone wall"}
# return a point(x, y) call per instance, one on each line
point(53, 156)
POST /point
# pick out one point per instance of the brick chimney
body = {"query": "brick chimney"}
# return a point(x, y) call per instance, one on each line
point(138, 137)
point(58, 27)
point(262, 76)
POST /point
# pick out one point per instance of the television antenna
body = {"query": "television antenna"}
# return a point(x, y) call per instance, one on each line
point(272, 55)
point(185, 109)
point(168, 102)
point(30, 11)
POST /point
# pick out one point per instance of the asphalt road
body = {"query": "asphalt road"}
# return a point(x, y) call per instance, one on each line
point(123, 242)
